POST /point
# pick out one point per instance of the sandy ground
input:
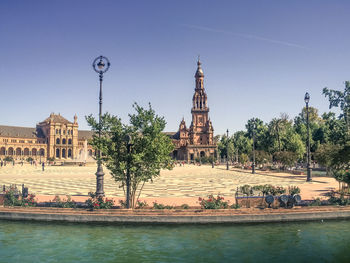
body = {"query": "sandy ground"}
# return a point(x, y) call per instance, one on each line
point(179, 186)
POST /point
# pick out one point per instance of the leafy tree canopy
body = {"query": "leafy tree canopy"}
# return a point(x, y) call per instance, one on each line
point(150, 150)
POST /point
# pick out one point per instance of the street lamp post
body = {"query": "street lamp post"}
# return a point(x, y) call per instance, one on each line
point(100, 65)
point(253, 164)
point(307, 99)
point(227, 166)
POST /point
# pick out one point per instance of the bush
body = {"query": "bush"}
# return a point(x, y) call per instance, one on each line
point(29, 159)
point(212, 202)
point(63, 203)
point(8, 159)
point(29, 201)
point(339, 200)
point(293, 190)
point(158, 206)
point(98, 202)
point(12, 198)
point(235, 206)
point(266, 189)
point(246, 189)
point(140, 204)
point(185, 206)
point(316, 202)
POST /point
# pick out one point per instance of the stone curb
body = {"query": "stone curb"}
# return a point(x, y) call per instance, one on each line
point(172, 218)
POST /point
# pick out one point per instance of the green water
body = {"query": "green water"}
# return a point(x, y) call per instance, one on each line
point(292, 242)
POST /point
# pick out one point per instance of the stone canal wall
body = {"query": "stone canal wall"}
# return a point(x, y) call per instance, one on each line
point(146, 216)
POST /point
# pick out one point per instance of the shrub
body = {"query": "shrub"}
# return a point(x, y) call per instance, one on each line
point(12, 198)
point(266, 189)
point(99, 202)
point(158, 206)
point(29, 159)
point(293, 190)
point(64, 203)
point(246, 189)
point(185, 206)
point(235, 206)
point(140, 204)
point(316, 202)
point(339, 200)
point(8, 159)
point(212, 202)
point(122, 203)
point(29, 201)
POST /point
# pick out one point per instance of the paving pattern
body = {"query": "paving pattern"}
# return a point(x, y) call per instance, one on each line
point(187, 181)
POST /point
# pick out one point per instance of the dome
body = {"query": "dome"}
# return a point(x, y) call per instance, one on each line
point(199, 72)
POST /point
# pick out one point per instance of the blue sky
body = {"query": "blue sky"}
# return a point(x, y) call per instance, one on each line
point(259, 57)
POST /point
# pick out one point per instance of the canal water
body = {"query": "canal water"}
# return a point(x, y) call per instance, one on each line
point(327, 241)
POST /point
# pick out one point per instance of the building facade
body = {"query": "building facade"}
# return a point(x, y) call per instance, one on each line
point(55, 137)
point(196, 141)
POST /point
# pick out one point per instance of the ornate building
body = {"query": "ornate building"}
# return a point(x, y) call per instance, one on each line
point(55, 137)
point(197, 140)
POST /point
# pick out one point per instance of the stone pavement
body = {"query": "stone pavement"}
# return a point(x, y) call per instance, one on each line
point(181, 182)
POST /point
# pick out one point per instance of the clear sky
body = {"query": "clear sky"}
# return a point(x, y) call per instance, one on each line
point(259, 57)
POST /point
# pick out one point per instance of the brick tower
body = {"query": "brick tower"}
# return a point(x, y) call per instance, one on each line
point(197, 140)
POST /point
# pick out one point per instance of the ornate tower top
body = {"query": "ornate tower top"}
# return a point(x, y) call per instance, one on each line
point(199, 72)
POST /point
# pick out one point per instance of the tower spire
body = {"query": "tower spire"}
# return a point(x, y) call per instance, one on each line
point(199, 72)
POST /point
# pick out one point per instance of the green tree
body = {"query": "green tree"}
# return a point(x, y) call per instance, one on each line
point(334, 129)
point(325, 155)
point(150, 151)
point(262, 157)
point(340, 99)
point(287, 158)
point(242, 145)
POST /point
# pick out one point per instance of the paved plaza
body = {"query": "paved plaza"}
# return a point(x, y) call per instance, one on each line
point(187, 181)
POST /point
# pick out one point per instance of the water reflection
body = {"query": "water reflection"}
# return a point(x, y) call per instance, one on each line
point(292, 242)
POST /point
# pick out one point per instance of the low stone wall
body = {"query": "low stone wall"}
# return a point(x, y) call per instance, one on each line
point(228, 216)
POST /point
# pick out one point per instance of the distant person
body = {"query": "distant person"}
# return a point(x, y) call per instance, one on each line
point(13, 162)
point(2, 163)
point(43, 166)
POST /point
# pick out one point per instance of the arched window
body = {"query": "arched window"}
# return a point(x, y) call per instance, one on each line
point(63, 153)
point(69, 153)
point(56, 131)
point(57, 141)
point(68, 132)
point(26, 151)
point(69, 141)
point(18, 151)
point(63, 141)
point(57, 153)
point(42, 152)
point(10, 151)
point(34, 152)
point(2, 151)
